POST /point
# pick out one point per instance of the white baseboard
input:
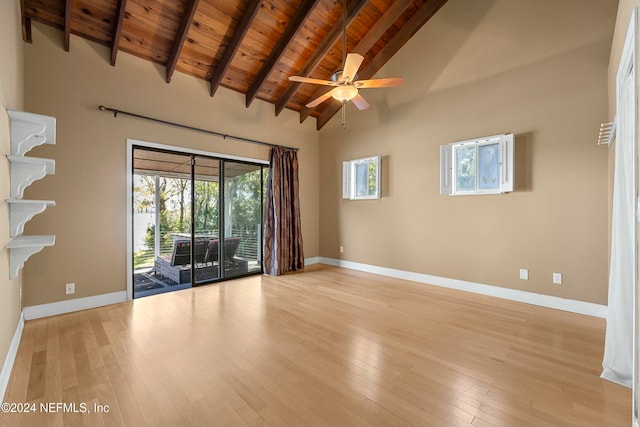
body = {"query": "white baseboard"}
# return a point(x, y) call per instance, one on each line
point(68, 306)
point(311, 261)
point(7, 366)
point(574, 306)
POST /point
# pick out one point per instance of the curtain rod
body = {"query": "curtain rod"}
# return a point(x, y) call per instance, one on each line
point(210, 132)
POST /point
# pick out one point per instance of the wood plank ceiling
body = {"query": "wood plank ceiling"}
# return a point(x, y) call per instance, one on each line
point(250, 46)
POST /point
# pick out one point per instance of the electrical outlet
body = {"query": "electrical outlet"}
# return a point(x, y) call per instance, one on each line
point(524, 274)
point(557, 278)
point(341, 249)
point(70, 288)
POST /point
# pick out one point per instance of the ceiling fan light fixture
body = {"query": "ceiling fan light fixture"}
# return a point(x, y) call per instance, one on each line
point(344, 93)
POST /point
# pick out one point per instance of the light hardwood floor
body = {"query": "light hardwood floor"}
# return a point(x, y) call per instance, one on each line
point(326, 347)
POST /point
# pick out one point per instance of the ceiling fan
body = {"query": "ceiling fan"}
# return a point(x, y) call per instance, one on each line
point(345, 81)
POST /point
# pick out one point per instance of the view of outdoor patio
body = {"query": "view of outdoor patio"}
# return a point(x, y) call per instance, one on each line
point(167, 201)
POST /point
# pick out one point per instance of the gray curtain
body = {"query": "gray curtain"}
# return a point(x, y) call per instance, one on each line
point(282, 230)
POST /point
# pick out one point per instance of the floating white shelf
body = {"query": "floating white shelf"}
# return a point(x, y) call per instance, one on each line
point(26, 170)
point(21, 211)
point(22, 247)
point(29, 130)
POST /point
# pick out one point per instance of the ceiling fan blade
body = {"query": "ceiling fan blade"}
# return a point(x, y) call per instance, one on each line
point(360, 102)
point(314, 81)
point(386, 82)
point(319, 100)
point(351, 66)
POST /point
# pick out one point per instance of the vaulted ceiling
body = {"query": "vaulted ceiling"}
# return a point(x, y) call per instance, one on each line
point(250, 46)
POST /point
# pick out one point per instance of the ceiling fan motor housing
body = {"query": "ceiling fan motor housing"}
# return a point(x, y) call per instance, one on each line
point(337, 77)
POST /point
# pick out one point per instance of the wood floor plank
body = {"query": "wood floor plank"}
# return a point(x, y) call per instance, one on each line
point(328, 346)
point(35, 388)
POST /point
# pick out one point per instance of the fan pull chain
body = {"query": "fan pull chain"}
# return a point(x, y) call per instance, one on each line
point(344, 114)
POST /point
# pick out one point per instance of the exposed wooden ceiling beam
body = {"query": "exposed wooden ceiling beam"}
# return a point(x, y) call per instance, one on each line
point(115, 44)
point(67, 24)
point(381, 26)
point(26, 25)
point(234, 44)
point(181, 36)
point(26, 30)
point(352, 11)
point(408, 30)
point(292, 30)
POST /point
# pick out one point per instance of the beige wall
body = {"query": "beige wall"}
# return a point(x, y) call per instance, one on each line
point(90, 181)
point(11, 97)
point(534, 68)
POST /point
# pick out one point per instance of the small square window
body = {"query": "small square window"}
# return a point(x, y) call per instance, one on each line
point(477, 166)
point(361, 178)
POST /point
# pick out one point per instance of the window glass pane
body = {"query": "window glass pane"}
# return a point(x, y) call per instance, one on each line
point(373, 173)
point(488, 167)
point(362, 180)
point(466, 168)
point(243, 229)
point(207, 216)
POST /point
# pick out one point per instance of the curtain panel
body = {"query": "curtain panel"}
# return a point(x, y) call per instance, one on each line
point(282, 227)
point(618, 357)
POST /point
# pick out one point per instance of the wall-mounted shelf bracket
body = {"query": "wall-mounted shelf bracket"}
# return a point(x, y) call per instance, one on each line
point(21, 211)
point(29, 130)
point(21, 248)
point(26, 170)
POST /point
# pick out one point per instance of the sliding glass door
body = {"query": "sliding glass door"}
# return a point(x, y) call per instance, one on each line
point(194, 217)
point(243, 201)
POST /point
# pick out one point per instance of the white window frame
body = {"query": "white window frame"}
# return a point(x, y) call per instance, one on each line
point(448, 164)
point(349, 178)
